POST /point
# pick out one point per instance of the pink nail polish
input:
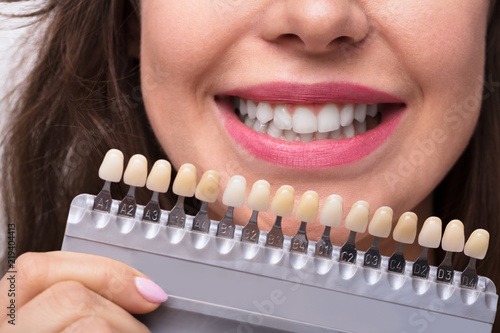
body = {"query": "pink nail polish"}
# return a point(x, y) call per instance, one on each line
point(150, 290)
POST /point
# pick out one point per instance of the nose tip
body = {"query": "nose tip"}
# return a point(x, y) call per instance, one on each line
point(316, 25)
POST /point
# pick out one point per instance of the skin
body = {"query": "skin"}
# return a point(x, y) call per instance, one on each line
point(427, 53)
point(385, 45)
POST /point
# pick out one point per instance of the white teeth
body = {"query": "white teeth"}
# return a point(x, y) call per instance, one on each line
point(372, 110)
point(349, 131)
point(264, 112)
point(347, 115)
point(328, 118)
point(303, 125)
point(274, 131)
point(360, 112)
point(282, 118)
point(304, 121)
point(252, 109)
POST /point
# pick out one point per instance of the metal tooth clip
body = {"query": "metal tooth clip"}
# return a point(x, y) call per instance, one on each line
point(110, 171)
point(282, 206)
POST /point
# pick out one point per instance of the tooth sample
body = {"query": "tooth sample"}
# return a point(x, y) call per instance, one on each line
point(258, 201)
point(304, 121)
point(184, 186)
point(347, 115)
point(135, 176)
point(331, 216)
point(405, 232)
point(475, 248)
point(360, 112)
point(274, 131)
point(349, 131)
point(281, 206)
point(328, 118)
point(380, 227)
point(356, 221)
point(429, 238)
point(453, 241)
point(372, 110)
point(110, 171)
point(306, 212)
point(158, 181)
point(251, 109)
point(206, 191)
point(243, 107)
point(282, 118)
point(234, 196)
point(264, 112)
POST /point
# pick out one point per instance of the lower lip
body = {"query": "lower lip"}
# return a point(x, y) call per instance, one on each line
point(316, 154)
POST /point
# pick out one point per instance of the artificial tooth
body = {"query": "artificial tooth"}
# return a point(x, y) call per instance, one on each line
point(475, 248)
point(306, 137)
point(206, 191)
point(135, 175)
point(282, 118)
point(405, 232)
point(356, 221)
point(281, 206)
point(264, 112)
point(306, 212)
point(349, 131)
point(274, 131)
point(158, 181)
point(243, 107)
point(371, 110)
point(380, 227)
point(360, 127)
point(321, 136)
point(111, 170)
point(304, 121)
point(184, 186)
point(328, 119)
point(249, 122)
point(429, 237)
point(251, 109)
point(347, 115)
point(335, 135)
point(360, 112)
point(332, 211)
point(234, 196)
point(258, 200)
point(453, 241)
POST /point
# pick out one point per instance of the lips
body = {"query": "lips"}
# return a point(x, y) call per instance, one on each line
point(328, 150)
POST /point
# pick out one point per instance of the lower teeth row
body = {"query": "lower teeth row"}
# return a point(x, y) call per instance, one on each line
point(347, 132)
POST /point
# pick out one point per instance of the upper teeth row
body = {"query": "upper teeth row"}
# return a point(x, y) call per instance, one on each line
point(303, 121)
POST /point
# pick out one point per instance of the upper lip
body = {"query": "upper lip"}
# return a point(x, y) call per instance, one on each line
point(325, 92)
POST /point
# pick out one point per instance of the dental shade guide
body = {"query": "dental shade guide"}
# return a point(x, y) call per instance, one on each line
point(207, 191)
point(453, 241)
point(331, 216)
point(356, 221)
point(475, 248)
point(234, 196)
point(158, 182)
point(258, 201)
point(135, 176)
point(281, 206)
point(405, 232)
point(110, 171)
point(184, 187)
point(271, 277)
point(306, 212)
point(379, 227)
point(429, 238)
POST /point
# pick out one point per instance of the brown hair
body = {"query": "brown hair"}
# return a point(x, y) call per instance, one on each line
point(83, 97)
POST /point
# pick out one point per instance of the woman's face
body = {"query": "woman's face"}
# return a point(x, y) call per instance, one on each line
point(304, 66)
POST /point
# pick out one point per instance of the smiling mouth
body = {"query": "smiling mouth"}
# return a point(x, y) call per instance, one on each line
point(308, 122)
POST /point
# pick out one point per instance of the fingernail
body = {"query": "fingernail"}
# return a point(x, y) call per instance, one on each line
point(150, 290)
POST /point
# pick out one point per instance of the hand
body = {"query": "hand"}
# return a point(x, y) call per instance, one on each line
point(74, 292)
